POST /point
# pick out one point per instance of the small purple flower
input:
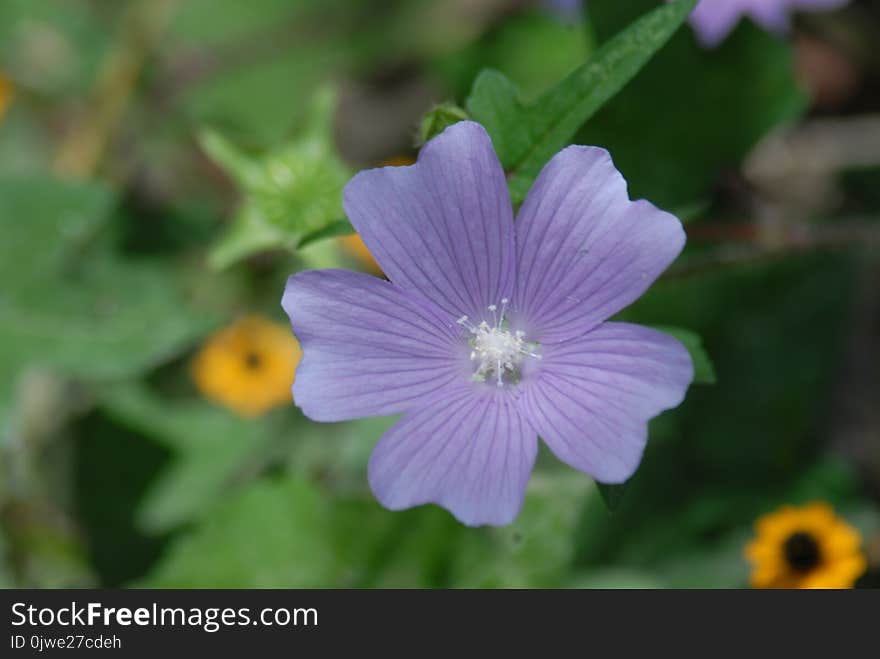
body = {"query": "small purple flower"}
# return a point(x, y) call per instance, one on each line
point(567, 11)
point(491, 333)
point(713, 20)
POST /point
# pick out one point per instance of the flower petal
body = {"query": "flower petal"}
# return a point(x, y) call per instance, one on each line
point(713, 20)
point(584, 250)
point(471, 454)
point(773, 17)
point(443, 226)
point(369, 348)
point(818, 5)
point(590, 399)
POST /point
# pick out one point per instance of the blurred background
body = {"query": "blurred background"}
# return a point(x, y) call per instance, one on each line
point(166, 164)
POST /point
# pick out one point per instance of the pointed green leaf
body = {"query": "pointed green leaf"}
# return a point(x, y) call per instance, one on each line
point(612, 494)
point(290, 192)
point(242, 167)
point(527, 137)
point(248, 234)
point(495, 103)
point(664, 129)
point(437, 120)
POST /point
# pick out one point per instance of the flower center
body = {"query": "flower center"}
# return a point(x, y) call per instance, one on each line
point(801, 552)
point(253, 360)
point(497, 351)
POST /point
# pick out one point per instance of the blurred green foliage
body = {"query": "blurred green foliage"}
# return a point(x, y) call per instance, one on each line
point(290, 193)
point(70, 301)
point(233, 155)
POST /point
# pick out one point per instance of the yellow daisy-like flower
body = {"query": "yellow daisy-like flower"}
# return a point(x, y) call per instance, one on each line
point(7, 91)
point(353, 245)
point(805, 547)
point(248, 366)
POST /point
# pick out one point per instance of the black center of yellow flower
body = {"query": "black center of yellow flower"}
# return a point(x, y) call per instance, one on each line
point(801, 551)
point(252, 360)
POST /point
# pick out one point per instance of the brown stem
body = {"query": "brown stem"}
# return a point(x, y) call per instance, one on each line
point(87, 140)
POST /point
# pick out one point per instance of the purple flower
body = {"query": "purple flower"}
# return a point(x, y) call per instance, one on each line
point(491, 333)
point(567, 11)
point(713, 20)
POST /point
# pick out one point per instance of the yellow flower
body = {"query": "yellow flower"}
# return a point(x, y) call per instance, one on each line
point(248, 366)
point(7, 91)
point(806, 547)
point(353, 245)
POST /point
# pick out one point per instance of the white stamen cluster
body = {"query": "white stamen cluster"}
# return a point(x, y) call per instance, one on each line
point(497, 351)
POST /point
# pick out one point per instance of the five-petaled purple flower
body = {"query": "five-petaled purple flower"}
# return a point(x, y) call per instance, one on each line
point(491, 333)
point(713, 20)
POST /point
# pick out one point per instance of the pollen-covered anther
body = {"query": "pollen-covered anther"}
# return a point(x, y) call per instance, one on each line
point(497, 351)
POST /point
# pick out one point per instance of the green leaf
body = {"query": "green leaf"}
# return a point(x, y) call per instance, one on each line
point(287, 532)
point(437, 120)
point(416, 550)
point(68, 302)
point(720, 564)
point(276, 533)
point(215, 453)
point(7, 572)
point(46, 223)
point(110, 320)
point(776, 363)
point(495, 103)
point(688, 116)
point(289, 193)
point(243, 167)
point(704, 371)
point(612, 494)
point(81, 40)
point(527, 137)
point(248, 234)
point(536, 550)
point(210, 446)
point(614, 579)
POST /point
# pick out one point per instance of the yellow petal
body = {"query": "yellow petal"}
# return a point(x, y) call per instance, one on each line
point(841, 562)
point(248, 366)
